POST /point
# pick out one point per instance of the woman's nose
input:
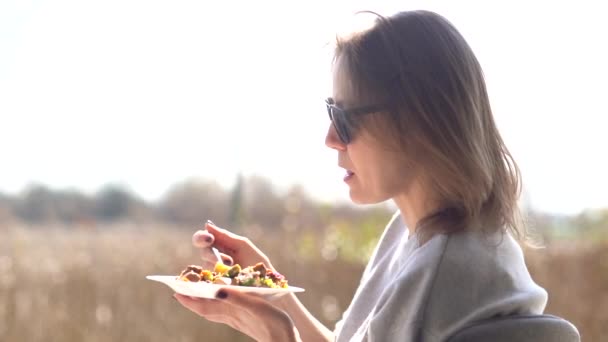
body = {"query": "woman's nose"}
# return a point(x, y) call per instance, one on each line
point(332, 140)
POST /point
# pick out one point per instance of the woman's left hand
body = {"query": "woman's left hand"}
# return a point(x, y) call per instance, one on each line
point(246, 313)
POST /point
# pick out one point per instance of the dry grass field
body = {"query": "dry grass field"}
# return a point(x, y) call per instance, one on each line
point(88, 284)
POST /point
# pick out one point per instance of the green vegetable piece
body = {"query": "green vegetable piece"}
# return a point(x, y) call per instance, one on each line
point(234, 271)
point(248, 282)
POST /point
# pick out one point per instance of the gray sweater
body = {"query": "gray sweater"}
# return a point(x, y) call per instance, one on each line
point(425, 293)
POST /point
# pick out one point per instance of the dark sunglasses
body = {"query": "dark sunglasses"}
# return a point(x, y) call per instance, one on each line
point(345, 121)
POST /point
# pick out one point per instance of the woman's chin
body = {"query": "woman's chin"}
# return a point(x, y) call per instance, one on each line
point(358, 197)
point(354, 196)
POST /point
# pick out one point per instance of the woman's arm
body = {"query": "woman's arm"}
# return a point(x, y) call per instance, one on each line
point(309, 327)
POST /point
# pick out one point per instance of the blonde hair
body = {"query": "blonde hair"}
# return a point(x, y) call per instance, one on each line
point(426, 75)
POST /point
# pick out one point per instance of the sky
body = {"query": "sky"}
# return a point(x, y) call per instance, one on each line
point(149, 93)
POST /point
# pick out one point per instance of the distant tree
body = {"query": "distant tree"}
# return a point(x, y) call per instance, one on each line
point(193, 202)
point(7, 208)
point(73, 207)
point(113, 202)
point(262, 204)
point(237, 215)
point(591, 223)
point(35, 204)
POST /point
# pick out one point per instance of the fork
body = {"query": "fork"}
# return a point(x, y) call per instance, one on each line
point(217, 255)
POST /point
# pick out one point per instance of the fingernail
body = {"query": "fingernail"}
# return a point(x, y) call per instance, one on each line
point(221, 294)
point(227, 262)
point(210, 222)
point(208, 239)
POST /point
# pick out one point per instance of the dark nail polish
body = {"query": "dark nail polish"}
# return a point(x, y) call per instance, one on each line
point(208, 238)
point(221, 294)
point(227, 262)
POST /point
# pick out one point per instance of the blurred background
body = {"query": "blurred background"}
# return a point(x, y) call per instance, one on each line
point(127, 124)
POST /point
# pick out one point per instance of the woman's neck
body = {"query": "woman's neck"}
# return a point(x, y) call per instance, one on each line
point(415, 205)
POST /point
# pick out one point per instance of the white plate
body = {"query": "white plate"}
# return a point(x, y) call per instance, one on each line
point(207, 290)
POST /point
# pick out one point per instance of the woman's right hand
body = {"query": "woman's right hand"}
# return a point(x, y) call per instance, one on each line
point(234, 249)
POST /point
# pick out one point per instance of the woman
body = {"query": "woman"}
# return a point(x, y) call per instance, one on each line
point(411, 122)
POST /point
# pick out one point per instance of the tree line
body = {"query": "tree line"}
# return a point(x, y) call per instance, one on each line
point(252, 200)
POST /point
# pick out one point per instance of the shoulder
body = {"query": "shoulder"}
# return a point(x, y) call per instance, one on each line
point(479, 276)
point(480, 259)
point(469, 255)
point(455, 279)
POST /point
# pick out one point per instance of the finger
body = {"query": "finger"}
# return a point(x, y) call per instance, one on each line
point(241, 299)
point(227, 259)
point(255, 304)
point(202, 239)
point(238, 247)
point(214, 228)
point(203, 307)
point(224, 240)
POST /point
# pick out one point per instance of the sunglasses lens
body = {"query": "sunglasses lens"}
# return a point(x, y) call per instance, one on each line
point(340, 123)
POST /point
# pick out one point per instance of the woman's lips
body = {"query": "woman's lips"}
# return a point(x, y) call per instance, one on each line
point(349, 174)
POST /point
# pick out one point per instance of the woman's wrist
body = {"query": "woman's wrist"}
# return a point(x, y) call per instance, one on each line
point(308, 327)
point(283, 329)
point(286, 303)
